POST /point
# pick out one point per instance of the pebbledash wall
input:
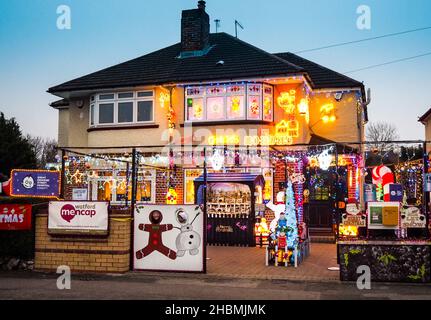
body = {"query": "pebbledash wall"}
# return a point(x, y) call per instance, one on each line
point(109, 254)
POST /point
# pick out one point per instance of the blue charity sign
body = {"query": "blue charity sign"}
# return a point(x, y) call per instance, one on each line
point(396, 192)
point(35, 183)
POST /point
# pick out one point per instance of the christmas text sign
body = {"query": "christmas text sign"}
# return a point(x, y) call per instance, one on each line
point(15, 217)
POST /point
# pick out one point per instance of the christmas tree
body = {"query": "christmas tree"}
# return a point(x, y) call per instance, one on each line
point(291, 221)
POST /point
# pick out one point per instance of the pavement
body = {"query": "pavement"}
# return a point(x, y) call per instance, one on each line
point(249, 263)
point(234, 273)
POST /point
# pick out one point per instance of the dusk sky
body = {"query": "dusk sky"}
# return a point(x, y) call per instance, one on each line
point(35, 55)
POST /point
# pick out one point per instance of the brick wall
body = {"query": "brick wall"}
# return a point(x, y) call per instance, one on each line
point(70, 185)
point(195, 29)
point(162, 186)
point(105, 255)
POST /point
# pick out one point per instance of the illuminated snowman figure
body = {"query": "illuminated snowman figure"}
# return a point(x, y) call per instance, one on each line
point(188, 239)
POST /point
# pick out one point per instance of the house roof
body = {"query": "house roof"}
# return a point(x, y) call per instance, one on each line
point(425, 116)
point(241, 60)
point(60, 103)
point(321, 77)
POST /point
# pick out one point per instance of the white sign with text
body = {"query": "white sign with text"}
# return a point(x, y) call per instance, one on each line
point(80, 216)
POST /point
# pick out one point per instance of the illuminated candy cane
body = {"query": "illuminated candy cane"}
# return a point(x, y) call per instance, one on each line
point(383, 175)
point(5, 186)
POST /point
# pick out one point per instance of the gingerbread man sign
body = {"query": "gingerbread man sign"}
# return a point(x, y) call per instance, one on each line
point(155, 241)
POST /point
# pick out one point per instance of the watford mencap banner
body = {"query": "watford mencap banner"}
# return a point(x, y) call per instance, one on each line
point(70, 217)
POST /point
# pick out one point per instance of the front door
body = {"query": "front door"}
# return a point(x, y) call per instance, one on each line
point(319, 211)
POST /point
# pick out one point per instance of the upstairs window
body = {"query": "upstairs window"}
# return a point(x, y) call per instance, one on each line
point(122, 108)
point(229, 102)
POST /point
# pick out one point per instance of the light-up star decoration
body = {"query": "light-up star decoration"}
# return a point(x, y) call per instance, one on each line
point(77, 177)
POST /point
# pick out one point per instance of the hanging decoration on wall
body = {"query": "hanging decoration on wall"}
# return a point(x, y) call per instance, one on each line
point(286, 101)
point(303, 107)
point(325, 160)
point(327, 113)
point(217, 160)
point(77, 177)
point(164, 99)
point(171, 196)
point(288, 128)
point(297, 178)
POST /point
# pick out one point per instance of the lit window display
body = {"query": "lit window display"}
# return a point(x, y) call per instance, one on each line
point(229, 102)
point(267, 103)
point(215, 108)
point(112, 186)
point(189, 176)
point(235, 107)
point(254, 107)
point(195, 109)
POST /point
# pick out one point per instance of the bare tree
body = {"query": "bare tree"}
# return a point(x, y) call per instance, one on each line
point(45, 150)
point(381, 134)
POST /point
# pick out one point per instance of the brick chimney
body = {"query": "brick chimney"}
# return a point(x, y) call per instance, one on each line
point(195, 29)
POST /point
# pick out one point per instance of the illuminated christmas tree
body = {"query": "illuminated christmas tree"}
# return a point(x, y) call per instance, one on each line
point(291, 221)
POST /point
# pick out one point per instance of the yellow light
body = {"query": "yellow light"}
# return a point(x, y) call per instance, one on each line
point(348, 231)
point(163, 99)
point(171, 196)
point(327, 113)
point(286, 101)
point(303, 107)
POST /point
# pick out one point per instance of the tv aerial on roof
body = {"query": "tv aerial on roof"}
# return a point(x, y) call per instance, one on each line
point(217, 24)
point(237, 24)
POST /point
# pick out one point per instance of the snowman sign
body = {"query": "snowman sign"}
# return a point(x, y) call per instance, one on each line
point(169, 237)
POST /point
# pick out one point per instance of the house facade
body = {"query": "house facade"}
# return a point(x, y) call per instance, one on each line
point(212, 89)
point(425, 119)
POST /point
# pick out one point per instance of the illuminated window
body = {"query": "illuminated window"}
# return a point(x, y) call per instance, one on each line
point(268, 101)
point(215, 108)
point(195, 109)
point(235, 107)
point(113, 186)
point(189, 177)
point(229, 102)
point(254, 107)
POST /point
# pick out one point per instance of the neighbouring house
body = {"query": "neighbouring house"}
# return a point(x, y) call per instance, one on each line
point(215, 89)
point(425, 119)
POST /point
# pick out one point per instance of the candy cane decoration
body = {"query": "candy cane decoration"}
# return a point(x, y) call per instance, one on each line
point(5, 187)
point(383, 175)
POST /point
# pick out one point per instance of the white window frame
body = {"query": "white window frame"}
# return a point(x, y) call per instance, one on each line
point(96, 101)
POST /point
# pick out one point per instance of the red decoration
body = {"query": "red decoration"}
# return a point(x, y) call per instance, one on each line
point(15, 217)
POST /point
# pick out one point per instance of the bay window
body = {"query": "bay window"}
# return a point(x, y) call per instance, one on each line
point(122, 108)
point(227, 102)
